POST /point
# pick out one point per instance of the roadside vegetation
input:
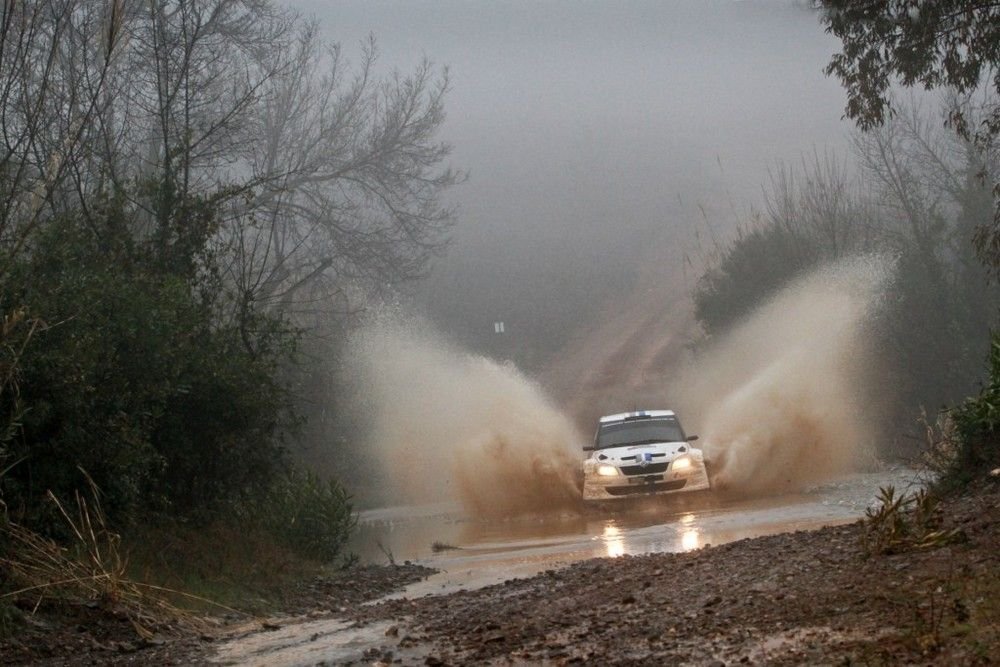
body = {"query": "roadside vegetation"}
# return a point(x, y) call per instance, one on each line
point(912, 191)
point(921, 186)
point(193, 195)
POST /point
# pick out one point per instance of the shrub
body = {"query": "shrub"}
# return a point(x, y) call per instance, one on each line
point(141, 375)
point(764, 258)
point(905, 521)
point(311, 516)
point(977, 424)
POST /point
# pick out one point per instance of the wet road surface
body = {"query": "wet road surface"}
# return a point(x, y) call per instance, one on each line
point(473, 552)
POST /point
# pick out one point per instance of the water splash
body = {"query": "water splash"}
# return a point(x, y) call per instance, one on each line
point(446, 424)
point(784, 398)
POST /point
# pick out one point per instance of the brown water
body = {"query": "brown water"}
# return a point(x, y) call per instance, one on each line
point(481, 552)
point(445, 424)
point(782, 401)
point(786, 398)
point(491, 551)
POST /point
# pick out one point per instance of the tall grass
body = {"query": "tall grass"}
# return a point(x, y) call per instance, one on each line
point(91, 566)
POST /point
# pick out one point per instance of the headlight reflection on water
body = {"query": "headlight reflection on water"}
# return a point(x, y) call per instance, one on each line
point(690, 535)
point(614, 542)
point(684, 535)
point(690, 539)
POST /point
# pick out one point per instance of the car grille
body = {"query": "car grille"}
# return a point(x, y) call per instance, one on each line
point(659, 455)
point(646, 488)
point(650, 469)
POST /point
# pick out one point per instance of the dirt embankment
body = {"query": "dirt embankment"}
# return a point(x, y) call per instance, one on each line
point(801, 598)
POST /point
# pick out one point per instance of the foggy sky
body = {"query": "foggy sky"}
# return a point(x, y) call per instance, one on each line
point(593, 129)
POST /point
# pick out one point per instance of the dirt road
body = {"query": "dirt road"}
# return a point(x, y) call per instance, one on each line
point(808, 597)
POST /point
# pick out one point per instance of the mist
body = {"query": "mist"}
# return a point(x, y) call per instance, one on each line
point(599, 138)
point(786, 399)
point(610, 147)
point(444, 424)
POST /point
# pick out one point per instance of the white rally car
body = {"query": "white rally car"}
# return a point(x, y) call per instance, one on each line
point(642, 453)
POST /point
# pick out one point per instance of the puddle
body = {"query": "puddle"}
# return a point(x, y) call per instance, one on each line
point(325, 641)
point(792, 644)
point(490, 552)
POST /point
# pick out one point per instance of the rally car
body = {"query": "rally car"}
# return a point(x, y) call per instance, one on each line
point(642, 452)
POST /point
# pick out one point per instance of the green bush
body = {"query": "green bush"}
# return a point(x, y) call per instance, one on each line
point(904, 522)
point(764, 258)
point(311, 516)
point(977, 424)
point(141, 373)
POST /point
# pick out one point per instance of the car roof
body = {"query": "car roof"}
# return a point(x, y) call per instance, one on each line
point(641, 414)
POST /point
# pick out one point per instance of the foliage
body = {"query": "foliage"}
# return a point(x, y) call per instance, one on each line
point(311, 516)
point(16, 331)
point(91, 566)
point(328, 177)
point(133, 376)
point(184, 188)
point(812, 215)
point(977, 425)
point(905, 521)
point(759, 262)
point(181, 182)
point(953, 44)
point(916, 199)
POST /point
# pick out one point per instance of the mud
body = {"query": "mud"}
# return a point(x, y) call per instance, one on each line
point(786, 399)
point(480, 552)
point(807, 597)
point(486, 556)
point(446, 424)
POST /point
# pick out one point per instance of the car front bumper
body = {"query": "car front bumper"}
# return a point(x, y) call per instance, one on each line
point(597, 487)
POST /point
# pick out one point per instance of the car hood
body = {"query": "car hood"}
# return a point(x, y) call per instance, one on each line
point(659, 451)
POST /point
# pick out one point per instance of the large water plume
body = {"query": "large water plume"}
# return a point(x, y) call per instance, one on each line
point(784, 399)
point(446, 424)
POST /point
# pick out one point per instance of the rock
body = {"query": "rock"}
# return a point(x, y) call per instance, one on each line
point(127, 647)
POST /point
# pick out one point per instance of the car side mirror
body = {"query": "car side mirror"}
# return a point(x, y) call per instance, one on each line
point(692, 438)
point(589, 448)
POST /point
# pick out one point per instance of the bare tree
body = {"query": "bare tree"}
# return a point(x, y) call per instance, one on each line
point(350, 177)
point(322, 177)
point(925, 178)
point(49, 100)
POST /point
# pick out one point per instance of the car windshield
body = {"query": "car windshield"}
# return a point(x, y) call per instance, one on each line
point(639, 432)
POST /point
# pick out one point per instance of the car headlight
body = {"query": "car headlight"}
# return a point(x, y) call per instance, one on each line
point(607, 471)
point(682, 463)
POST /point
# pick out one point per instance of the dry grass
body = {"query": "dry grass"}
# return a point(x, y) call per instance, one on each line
point(93, 567)
point(231, 565)
point(905, 521)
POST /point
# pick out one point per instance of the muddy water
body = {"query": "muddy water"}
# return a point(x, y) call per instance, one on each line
point(472, 552)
